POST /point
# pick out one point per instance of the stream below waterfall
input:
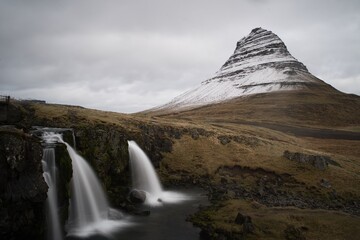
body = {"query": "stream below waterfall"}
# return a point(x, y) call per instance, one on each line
point(164, 222)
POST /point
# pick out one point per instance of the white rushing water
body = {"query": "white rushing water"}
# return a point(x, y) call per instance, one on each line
point(145, 178)
point(89, 203)
point(142, 172)
point(54, 231)
point(90, 212)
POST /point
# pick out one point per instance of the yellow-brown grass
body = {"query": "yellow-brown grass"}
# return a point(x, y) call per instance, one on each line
point(271, 222)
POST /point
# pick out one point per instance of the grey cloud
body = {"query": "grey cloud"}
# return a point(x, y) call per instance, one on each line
point(137, 54)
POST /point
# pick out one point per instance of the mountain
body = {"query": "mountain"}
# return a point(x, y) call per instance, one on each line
point(260, 63)
point(277, 87)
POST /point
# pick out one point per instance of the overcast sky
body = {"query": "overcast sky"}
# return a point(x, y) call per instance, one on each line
point(128, 56)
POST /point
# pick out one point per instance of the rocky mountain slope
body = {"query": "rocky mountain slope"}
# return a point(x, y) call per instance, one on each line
point(260, 63)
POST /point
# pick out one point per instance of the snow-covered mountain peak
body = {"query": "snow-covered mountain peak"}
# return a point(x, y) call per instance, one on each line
point(260, 49)
point(260, 63)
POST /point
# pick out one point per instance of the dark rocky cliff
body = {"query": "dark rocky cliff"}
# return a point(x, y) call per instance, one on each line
point(23, 190)
point(22, 186)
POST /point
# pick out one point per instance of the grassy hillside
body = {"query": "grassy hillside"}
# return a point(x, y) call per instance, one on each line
point(319, 107)
point(241, 165)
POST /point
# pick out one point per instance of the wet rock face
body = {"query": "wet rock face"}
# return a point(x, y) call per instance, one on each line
point(154, 140)
point(22, 187)
point(137, 196)
point(105, 148)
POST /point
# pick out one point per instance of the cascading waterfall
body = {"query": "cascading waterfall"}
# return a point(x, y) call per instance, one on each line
point(89, 211)
point(145, 178)
point(142, 172)
point(50, 175)
point(89, 203)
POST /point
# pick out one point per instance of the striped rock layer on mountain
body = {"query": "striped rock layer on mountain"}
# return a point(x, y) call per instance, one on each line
point(260, 63)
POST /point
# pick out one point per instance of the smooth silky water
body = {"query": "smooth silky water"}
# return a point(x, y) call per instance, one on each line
point(89, 211)
point(90, 215)
point(54, 230)
point(167, 219)
point(167, 222)
point(144, 178)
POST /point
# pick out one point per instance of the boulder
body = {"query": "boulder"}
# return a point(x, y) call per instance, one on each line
point(224, 140)
point(318, 161)
point(194, 134)
point(325, 183)
point(137, 196)
point(244, 220)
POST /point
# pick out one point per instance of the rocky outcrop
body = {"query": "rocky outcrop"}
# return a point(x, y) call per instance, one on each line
point(224, 140)
point(274, 189)
point(22, 186)
point(249, 141)
point(318, 161)
point(246, 222)
point(325, 183)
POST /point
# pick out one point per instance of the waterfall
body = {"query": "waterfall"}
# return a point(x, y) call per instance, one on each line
point(54, 231)
point(88, 202)
point(145, 178)
point(89, 211)
point(142, 172)
point(74, 139)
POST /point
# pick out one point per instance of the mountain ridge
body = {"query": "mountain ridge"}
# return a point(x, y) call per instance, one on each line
point(260, 63)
